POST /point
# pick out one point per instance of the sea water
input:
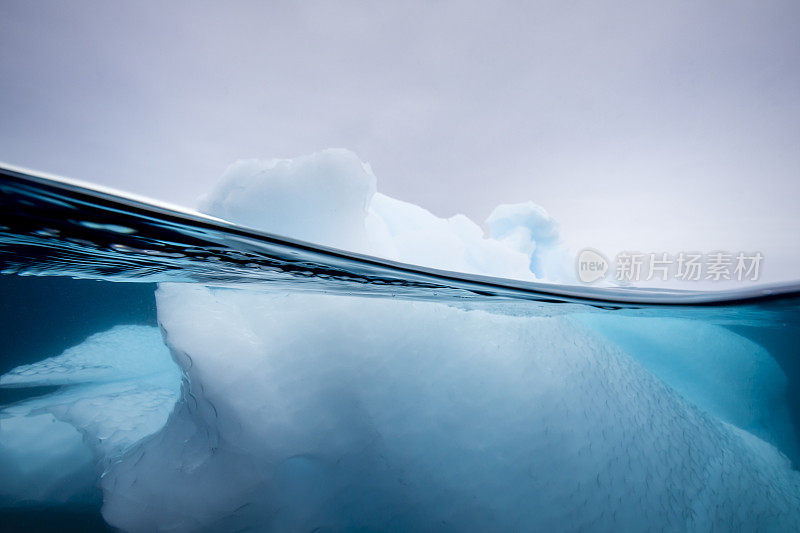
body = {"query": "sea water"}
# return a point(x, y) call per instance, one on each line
point(162, 371)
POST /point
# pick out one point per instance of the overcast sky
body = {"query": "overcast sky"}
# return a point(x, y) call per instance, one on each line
point(638, 125)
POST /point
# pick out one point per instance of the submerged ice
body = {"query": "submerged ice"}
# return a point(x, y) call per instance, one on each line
point(309, 411)
point(116, 388)
point(727, 375)
point(273, 410)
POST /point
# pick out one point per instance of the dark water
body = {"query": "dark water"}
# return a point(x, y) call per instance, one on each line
point(32, 310)
point(274, 385)
point(36, 305)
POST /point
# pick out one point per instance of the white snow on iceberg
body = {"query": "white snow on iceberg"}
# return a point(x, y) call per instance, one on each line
point(331, 198)
point(261, 409)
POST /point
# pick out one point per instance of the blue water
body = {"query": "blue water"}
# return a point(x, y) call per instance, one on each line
point(208, 377)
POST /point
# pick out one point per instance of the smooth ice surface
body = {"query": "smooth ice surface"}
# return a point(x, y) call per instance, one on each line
point(320, 198)
point(307, 411)
point(44, 461)
point(119, 386)
point(330, 198)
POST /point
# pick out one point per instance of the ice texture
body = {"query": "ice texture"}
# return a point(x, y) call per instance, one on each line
point(726, 374)
point(322, 198)
point(120, 353)
point(528, 228)
point(118, 387)
point(331, 198)
point(310, 411)
point(272, 411)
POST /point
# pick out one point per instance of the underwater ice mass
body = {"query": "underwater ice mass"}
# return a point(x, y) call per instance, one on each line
point(277, 410)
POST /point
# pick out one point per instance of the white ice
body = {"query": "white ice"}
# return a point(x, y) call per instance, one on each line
point(117, 387)
point(726, 374)
point(309, 411)
point(301, 411)
point(331, 198)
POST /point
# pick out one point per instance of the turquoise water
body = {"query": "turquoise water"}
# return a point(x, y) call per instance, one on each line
point(168, 371)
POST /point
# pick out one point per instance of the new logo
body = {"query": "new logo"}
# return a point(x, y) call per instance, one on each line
point(592, 265)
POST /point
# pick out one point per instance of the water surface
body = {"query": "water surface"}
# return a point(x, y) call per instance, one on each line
point(166, 370)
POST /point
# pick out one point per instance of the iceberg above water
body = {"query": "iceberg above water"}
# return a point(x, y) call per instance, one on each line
point(331, 198)
point(274, 410)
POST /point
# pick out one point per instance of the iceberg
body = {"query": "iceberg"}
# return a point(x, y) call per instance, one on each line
point(116, 388)
point(331, 198)
point(308, 411)
point(273, 409)
point(726, 374)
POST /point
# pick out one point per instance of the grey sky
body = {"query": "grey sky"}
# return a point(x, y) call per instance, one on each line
point(655, 126)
